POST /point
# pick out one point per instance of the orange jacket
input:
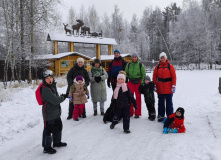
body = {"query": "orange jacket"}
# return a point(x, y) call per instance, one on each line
point(164, 74)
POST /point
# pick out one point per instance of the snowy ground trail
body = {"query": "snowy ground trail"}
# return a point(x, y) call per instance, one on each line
point(21, 128)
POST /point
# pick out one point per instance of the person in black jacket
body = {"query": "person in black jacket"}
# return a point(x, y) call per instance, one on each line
point(148, 90)
point(51, 111)
point(78, 69)
point(122, 98)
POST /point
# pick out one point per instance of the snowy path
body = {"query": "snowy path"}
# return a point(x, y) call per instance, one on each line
point(91, 139)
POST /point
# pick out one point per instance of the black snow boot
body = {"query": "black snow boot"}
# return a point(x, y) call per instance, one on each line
point(102, 113)
point(49, 150)
point(160, 119)
point(95, 113)
point(136, 116)
point(69, 117)
point(127, 131)
point(76, 119)
point(84, 116)
point(60, 144)
point(112, 126)
point(152, 116)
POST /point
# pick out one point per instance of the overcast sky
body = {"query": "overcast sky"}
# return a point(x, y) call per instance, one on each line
point(127, 7)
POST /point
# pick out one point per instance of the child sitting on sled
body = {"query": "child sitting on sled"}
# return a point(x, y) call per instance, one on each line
point(175, 122)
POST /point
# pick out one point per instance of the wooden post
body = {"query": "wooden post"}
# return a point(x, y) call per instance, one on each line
point(71, 46)
point(220, 85)
point(98, 51)
point(55, 47)
point(110, 49)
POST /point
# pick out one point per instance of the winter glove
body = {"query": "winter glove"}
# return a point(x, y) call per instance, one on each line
point(165, 130)
point(70, 98)
point(173, 88)
point(97, 79)
point(108, 83)
point(88, 96)
point(64, 95)
point(173, 130)
point(155, 88)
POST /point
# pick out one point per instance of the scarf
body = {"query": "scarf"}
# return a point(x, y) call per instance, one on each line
point(116, 91)
point(96, 72)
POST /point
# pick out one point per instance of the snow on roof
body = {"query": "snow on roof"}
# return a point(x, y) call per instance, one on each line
point(59, 55)
point(110, 57)
point(79, 39)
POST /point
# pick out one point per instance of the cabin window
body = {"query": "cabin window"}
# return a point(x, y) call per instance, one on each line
point(65, 64)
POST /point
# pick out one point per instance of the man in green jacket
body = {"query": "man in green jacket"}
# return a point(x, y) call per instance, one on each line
point(136, 73)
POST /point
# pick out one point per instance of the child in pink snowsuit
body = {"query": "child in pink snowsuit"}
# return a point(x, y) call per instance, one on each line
point(77, 95)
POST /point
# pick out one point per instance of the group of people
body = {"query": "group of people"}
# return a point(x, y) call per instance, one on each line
point(126, 79)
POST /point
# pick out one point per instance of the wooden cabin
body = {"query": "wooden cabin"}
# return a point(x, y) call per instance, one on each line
point(61, 63)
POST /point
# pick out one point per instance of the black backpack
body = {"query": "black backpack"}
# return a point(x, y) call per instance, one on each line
point(158, 66)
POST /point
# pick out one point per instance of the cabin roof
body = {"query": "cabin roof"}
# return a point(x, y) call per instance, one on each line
point(81, 39)
point(59, 56)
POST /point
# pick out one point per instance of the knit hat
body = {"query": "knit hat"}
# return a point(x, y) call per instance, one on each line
point(147, 78)
point(116, 51)
point(181, 110)
point(134, 55)
point(80, 60)
point(96, 61)
point(120, 75)
point(79, 78)
point(163, 55)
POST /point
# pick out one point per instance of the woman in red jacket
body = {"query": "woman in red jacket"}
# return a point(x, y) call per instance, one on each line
point(164, 78)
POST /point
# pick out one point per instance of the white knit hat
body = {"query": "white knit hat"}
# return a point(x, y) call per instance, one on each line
point(120, 75)
point(163, 55)
point(80, 60)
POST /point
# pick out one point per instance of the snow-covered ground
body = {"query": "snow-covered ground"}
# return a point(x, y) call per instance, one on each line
point(197, 92)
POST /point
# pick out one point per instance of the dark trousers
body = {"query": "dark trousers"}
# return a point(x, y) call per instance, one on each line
point(52, 132)
point(125, 113)
point(150, 108)
point(161, 104)
point(168, 122)
point(71, 109)
point(113, 85)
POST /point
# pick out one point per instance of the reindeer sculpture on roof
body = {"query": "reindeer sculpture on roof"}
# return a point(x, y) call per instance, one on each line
point(77, 26)
point(65, 28)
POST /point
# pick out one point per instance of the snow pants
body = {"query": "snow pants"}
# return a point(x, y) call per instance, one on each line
point(134, 88)
point(125, 112)
point(52, 132)
point(161, 104)
point(78, 110)
point(71, 109)
point(151, 108)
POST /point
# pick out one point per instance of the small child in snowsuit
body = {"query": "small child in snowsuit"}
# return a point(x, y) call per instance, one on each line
point(175, 122)
point(51, 111)
point(77, 95)
point(122, 98)
point(148, 90)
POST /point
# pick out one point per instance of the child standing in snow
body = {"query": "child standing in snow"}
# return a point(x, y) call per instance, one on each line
point(175, 122)
point(122, 99)
point(51, 111)
point(148, 90)
point(77, 95)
